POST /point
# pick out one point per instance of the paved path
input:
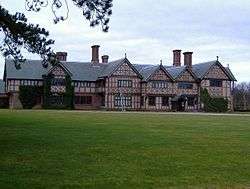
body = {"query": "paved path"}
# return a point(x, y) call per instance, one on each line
point(147, 113)
point(163, 113)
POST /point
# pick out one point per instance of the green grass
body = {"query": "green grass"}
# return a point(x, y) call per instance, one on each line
point(58, 149)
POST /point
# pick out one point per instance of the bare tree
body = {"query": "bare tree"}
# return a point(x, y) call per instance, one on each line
point(242, 96)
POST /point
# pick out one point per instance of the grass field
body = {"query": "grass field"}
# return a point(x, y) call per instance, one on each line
point(57, 149)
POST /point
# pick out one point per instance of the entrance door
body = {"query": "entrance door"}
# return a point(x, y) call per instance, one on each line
point(178, 105)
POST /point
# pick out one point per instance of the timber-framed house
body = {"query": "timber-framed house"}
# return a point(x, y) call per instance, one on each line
point(120, 84)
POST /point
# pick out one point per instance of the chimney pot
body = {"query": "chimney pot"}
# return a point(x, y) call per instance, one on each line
point(95, 54)
point(61, 56)
point(176, 58)
point(188, 59)
point(105, 59)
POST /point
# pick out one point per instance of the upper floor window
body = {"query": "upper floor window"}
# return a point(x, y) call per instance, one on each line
point(159, 84)
point(58, 81)
point(124, 83)
point(82, 84)
point(185, 85)
point(86, 84)
point(215, 83)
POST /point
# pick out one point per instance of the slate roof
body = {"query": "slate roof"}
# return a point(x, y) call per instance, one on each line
point(201, 69)
point(231, 74)
point(146, 70)
point(175, 71)
point(2, 87)
point(111, 67)
point(86, 71)
point(30, 69)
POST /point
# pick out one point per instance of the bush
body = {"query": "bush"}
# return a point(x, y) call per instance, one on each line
point(213, 104)
point(218, 105)
point(28, 95)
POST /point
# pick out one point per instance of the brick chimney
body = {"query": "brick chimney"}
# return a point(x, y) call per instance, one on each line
point(105, 59)
point(95, 54)
point(176, 58)
point(188, 59)
point(61, 56)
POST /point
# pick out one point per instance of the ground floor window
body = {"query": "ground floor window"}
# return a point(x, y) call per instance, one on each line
point(56, 100)
point(123, 101)
point(191, 101)
point(151, 100)
point(142, 101)
point(165, 101)
point(85, 100)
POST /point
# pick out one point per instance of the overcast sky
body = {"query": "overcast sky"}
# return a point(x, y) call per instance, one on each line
point(148, 31)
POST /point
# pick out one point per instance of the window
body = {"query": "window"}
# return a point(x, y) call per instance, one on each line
point(58, 81)
point(85, 100)
point(142, 100)
point(56, 99)
point(151, 101)
point(215, 83)
point(123, 101)
point(191, 101)
point(76, 84)
point(124, 83)
point(185, 85)
point(159, 84)
point(85, 84)
point(165, 101)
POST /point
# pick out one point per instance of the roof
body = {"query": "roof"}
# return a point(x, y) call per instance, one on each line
point(146, 70)
point(2, 87)
point(111, 67)
point(231, 74)
point(84, 71)
point(30, 69)
point(87, 71)
point(201, 69)
point(175, 71)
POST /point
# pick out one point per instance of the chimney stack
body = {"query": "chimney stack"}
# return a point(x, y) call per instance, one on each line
point(105, 59)
point(61, 56)
point(95, 54)
point(188, 59)
point(176, 58)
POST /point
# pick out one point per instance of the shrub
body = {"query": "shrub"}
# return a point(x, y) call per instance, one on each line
point(28, 95)
point(213, 104)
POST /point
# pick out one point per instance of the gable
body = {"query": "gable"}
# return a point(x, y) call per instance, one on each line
point(160, 75)
point(58, 71)
point(216, 72)
point(124, 69)
point(186, 76)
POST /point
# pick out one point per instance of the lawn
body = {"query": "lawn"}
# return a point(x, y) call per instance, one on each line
point(58, 149)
